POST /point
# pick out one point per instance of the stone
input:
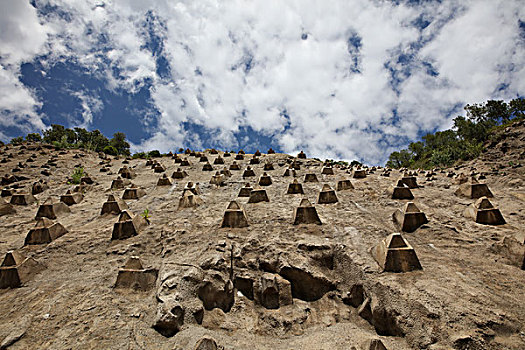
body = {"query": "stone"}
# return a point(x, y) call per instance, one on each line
point(473, 189)
point(410, 218)
point(45, 231)
point(273, 291)
point(305, 213)
point(344, 184)
point(113, 205)
point(16, 270)
point(133, 192)
point(164, 181)
point(22, 199)
point(400, 191)
point(245, 190)
point(483, 212)
point(374, 344)
point(51, 210)
point(169, 321)
point(265, 180)
point(189, 199)
point(128, 225)
point(248, 172)
point(258, 195)
point(206, 344)
point(295, 188)
point(72, 198)
point(134, 276)
point(327, 170)
point(310, 177)
point(234, 216)
point(395, 254)
point(327, 195)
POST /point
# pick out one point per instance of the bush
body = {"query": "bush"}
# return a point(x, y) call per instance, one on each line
point(34, 137)
point(78, 173)
point(17, 140)
point(154, 154)
point(112, 151)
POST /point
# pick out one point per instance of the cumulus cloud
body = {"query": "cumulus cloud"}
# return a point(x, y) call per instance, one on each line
point(349, 80)
point(21, 38)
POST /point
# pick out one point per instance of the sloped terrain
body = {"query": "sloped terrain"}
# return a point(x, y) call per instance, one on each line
point(272, 284)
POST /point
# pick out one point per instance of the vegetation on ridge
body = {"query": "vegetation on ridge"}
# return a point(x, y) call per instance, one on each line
point(464, 141)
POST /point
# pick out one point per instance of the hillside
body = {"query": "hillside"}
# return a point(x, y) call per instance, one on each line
point(271, 284)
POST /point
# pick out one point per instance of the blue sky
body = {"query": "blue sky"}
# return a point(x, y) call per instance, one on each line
point(353, 80)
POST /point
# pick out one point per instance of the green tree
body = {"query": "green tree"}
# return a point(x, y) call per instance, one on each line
point(119, 143)
point(54, 133)
point(399, 159)
point(33, 137)
point(16, 140)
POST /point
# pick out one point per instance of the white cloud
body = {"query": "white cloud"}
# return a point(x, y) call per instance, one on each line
point(473, 46)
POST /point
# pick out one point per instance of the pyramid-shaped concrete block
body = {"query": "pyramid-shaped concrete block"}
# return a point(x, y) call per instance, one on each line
point(234, 216)
point(128, 225)
point(395, 254)
point(248, 172)
point(179, 174)
point(327, 170)
point(22, 199)
point(120, 183)
point(268, 166)
point(327, 195)
point(207, 167)
point(16, 270)
point(258, 195)
point(409, 181)
point(305, 213)
point(6, 208)
point(473, 189)
point(113, 205)
point(310, 177)
point(400, 191)
point(133, 276)
point(295, 188)
point(410, 218)
point(164, 181)
point(344, 184)
point(44, 232)
point(51, 209)
point(189, 199)
point(290, 172)
point(133, 192)
point(245, 190)
point(359, 174)
point(483, 212)
point(71, 198)
point(265, 180)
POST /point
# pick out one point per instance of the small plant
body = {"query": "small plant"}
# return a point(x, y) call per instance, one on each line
point(146, 216)
point(77, 175)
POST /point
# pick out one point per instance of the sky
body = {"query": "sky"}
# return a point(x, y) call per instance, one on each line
point(340, 79)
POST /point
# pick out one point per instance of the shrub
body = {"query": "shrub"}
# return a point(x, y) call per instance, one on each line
point(78, 173)
point(154, 154)
point(17, 140)
point(112, 151)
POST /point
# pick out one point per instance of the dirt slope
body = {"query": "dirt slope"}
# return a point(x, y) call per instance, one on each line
point(329, 291)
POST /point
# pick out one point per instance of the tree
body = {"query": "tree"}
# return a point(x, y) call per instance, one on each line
point(55, 133)
point(119, 143)
point(399, 159)
point(517, 108)
point(16, 140)
point(33, 137)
